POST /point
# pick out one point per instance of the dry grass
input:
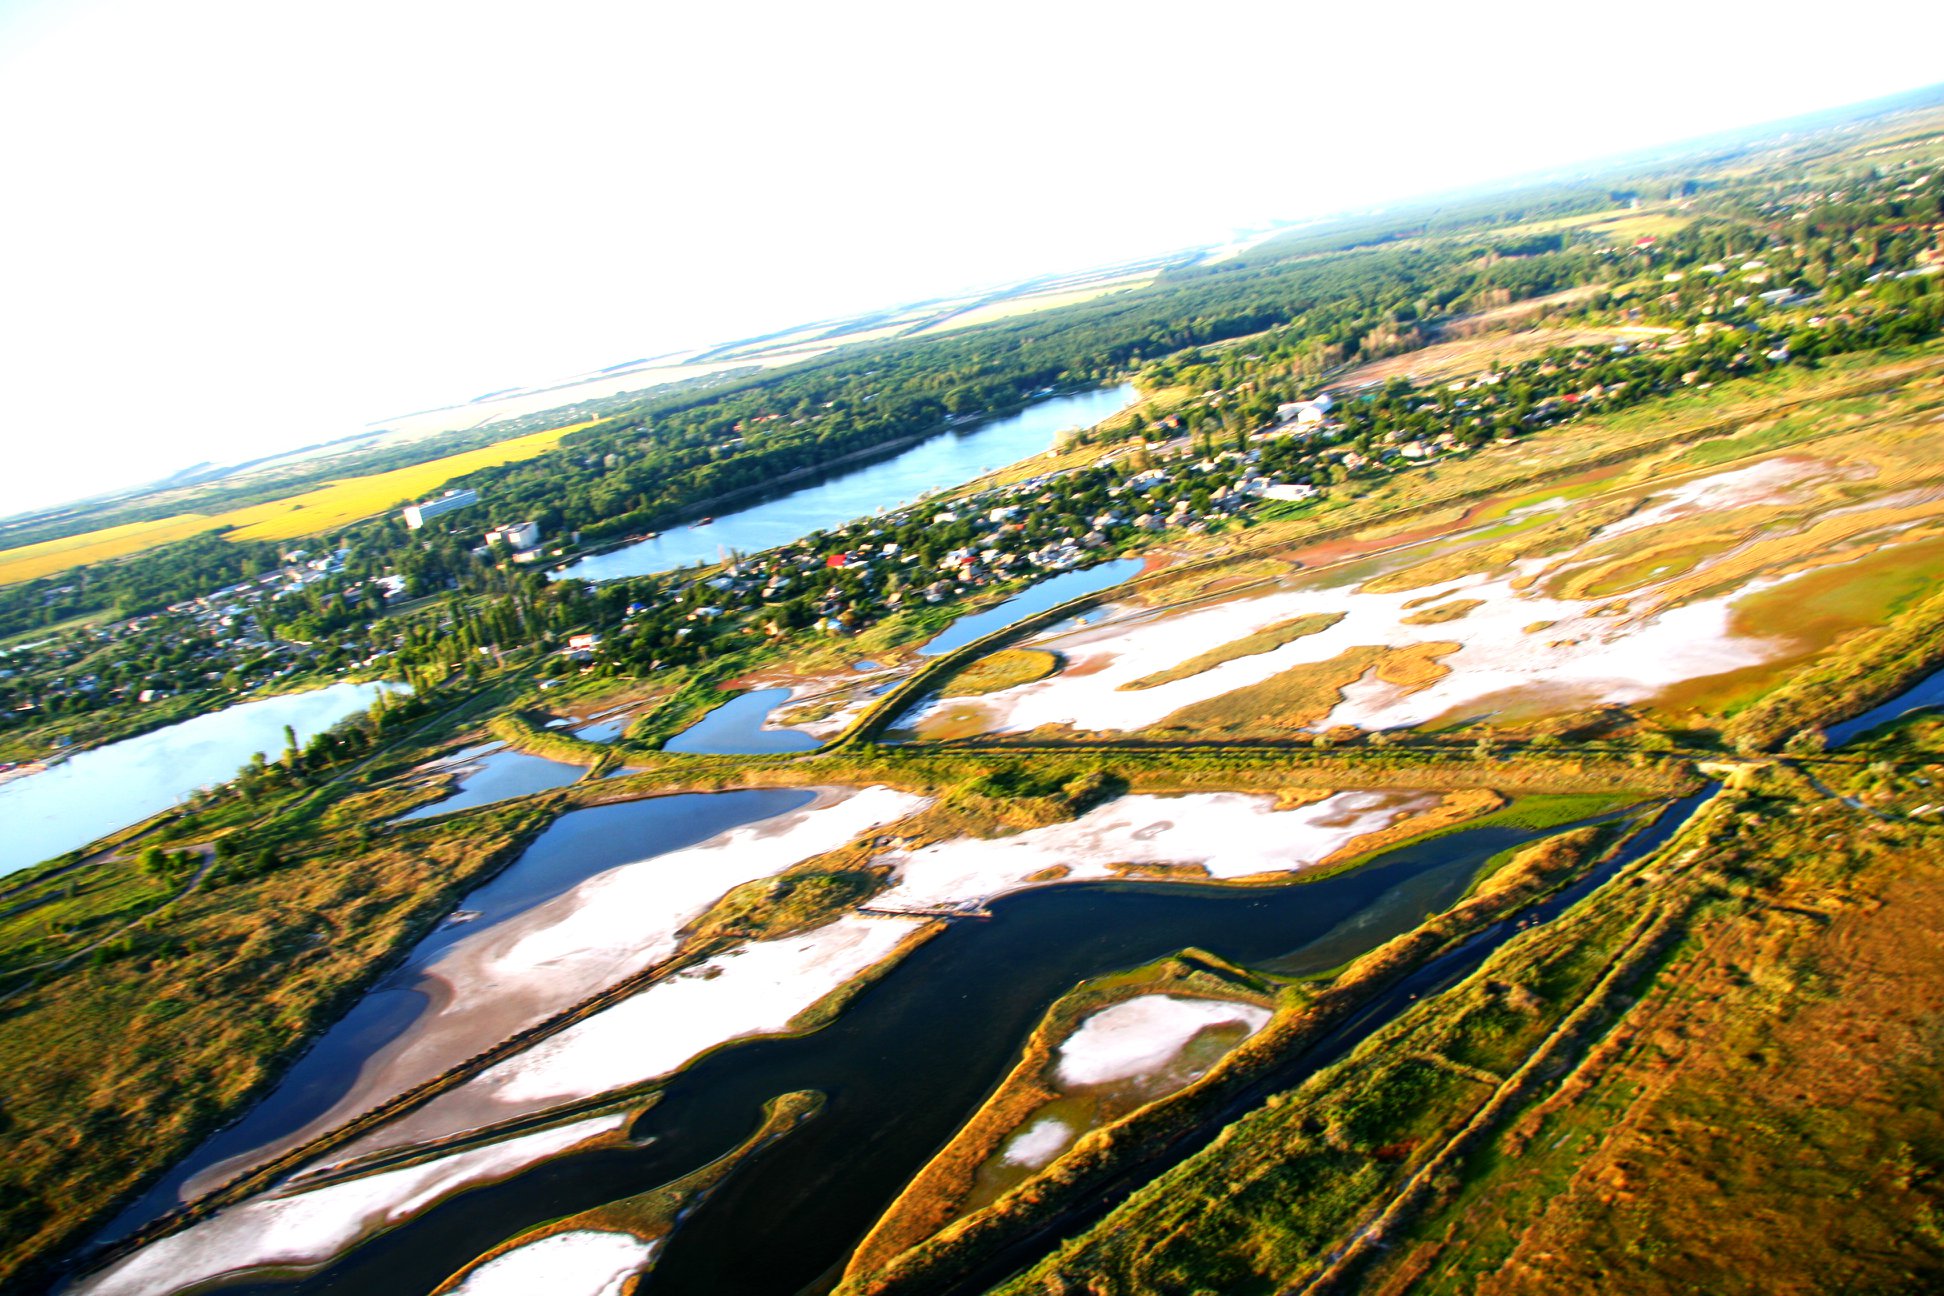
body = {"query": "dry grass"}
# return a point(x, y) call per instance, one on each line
point(1293, 699)
point(1456, 610)
point(1416, 666)
point(1773, 1109)
point(1007, 668)
point(1262, 641)
point(1303, 695)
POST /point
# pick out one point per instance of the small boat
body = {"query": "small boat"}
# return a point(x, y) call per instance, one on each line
point(704, 521)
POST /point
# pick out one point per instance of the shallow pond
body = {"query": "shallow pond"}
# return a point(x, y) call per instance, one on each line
point(910, 1058)
point(946, 460)
point(109, 788)
point(1036, 598)
point(736, 728)
point(604, 731)
point(497, 777)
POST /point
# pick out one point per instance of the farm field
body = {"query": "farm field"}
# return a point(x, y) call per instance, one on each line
point(314, 512)
point(1033, 303)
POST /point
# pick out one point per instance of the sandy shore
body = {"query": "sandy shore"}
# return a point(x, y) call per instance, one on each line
point(610, 927)
point(759, 988)
point(1228, 834)
point(581, 1263)
point(308, 1229)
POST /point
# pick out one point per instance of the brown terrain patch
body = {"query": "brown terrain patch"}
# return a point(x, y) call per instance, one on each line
point(1771, 1118)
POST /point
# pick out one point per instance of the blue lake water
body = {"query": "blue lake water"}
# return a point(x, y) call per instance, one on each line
point(1051, 592)
point(947, 460)
point(736, 729)
point(605, 731)
point(111, 787)
point(497, 777)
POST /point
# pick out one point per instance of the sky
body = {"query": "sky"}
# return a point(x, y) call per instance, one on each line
point(232, 227)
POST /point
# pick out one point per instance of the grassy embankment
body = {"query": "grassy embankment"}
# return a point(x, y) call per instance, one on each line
point(1655, 1093)
point(1154, 1133)
point(937, 1193)
point(518, 731)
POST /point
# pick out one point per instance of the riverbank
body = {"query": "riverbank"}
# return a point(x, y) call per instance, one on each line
point(1099, 1170)
point(938, 1193)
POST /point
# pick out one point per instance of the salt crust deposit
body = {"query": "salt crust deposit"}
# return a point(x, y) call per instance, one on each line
point(755, 989)
point(1138, 1036)
point(1231, 834)
point(1037, 1144)
point(609, 927)
point(311, 1228)
point(627, 918)
point(581, 1263)
point(1773, 481)
point(748, 991)
point(1581, 657)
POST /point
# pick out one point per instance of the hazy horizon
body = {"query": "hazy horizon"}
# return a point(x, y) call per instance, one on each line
point(248, 230)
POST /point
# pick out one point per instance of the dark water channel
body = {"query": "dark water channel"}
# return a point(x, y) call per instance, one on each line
point(576, 847)
point(1927, 692)
point(907, 1062)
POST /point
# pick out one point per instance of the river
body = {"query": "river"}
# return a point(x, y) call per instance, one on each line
point(905, 1064)
point(941, 462)
point(99, 791)
point(1925, 693)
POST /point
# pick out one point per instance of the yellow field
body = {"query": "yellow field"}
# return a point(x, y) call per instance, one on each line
point(1622, 226)
point(1032, 305)
point(314, 512)
point(50, 556)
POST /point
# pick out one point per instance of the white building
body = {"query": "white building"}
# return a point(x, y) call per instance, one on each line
point(1287, 491)
point(516, 536)
point(417, 515)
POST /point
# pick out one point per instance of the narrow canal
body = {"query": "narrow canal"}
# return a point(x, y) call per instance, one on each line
point(909, 1060)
